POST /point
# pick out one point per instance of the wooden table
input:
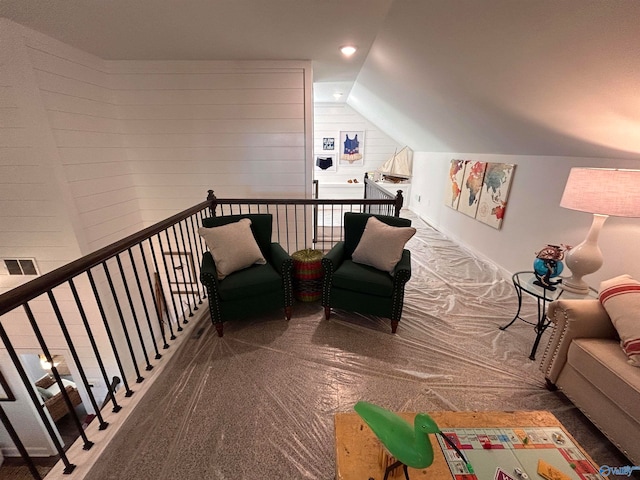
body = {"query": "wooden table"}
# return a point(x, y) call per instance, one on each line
point(358, 449)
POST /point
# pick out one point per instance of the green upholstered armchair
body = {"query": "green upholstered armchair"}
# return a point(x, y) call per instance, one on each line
point(360, 288)
point(252, 290)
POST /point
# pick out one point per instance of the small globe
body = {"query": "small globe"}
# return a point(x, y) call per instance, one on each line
point(541, 267)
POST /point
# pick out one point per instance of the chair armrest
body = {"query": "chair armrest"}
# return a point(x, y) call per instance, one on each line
point(333, 259)
point(330, 263)
point(573, 318)
point(402, 271)
point(281, 260)
point(208, 272)
point(283, 263)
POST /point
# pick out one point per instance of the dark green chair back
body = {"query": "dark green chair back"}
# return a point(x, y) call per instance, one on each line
point(354, 224)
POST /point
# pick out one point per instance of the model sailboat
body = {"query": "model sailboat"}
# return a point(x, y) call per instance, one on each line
point(398, 167)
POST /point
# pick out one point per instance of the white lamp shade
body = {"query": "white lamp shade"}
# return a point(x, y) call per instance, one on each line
point(605, 191)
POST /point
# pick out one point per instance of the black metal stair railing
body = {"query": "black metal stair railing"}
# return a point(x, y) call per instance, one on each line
point(113, 311)
point(112, 315)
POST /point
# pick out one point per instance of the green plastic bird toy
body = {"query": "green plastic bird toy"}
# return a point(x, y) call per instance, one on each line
point(409, 445)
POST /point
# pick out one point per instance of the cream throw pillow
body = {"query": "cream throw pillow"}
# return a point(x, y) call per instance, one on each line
point(232, 246)
point(620, 297)
point(381, 245)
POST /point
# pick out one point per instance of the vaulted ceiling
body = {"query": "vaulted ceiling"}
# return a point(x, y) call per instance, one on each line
point(539, 77)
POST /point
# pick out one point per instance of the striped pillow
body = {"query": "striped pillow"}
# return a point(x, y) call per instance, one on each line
point(620, 297)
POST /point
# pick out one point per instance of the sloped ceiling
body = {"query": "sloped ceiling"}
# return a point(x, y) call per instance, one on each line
point(540, 77)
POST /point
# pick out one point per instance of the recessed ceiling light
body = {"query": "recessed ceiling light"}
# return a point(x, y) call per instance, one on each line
point(348, 50)
point(337, 95)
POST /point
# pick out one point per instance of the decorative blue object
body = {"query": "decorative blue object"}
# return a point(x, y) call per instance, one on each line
point(547, 265)
point(544, 267)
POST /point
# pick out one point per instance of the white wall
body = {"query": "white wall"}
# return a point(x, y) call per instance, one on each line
point(37, 215)
point(78, 100)
point(93, 150)
point(533, 217)
point(239, 128)
point(329, 120)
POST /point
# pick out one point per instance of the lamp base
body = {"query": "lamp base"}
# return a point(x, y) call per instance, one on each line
point(577, 286)
point(584, 259)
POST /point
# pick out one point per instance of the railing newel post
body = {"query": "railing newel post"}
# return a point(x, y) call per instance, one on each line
point(213, 202)
point(399, 203)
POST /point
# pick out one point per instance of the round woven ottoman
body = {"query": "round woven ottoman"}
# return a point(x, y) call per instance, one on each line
point(307, 275)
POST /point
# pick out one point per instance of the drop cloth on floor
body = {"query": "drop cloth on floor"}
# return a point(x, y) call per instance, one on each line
point(259, 402)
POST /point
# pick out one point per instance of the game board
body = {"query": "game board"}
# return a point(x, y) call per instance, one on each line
point(499, 453)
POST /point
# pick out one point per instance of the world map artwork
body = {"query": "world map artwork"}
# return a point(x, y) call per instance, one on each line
point(479, 189)
point(474, 181)
point(493, 199)
point(472, 187)
point(456, 172)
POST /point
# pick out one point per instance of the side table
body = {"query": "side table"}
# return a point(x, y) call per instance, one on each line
point(523, 283)
point(307, 275)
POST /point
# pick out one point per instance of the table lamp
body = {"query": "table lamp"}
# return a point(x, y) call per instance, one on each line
point(602, 192)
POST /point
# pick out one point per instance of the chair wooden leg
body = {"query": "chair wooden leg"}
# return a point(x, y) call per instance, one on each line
point(219, 329)
point(394, 326)
point(327, 312)
point(287, 312)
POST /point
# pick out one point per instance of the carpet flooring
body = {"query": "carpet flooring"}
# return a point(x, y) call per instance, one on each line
point(259, 402)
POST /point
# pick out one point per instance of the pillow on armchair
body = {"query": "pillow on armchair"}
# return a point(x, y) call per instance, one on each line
point(232, 246)
point(620, 297)
point(381, 245)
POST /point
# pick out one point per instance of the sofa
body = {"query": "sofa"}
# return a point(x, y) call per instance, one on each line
point(53, 400)
point(585, 361)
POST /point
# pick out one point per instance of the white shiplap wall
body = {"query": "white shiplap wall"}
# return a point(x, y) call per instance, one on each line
point(37, 216)
point(79, 103)
point(130, 143)
point(329, 120)
point(238, 128)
